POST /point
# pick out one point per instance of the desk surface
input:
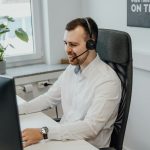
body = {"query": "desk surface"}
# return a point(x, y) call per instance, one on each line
point(59, 145)
point(40, 119)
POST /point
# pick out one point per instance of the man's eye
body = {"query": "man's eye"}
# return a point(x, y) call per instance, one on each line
point(70, 44)
point(73, 45)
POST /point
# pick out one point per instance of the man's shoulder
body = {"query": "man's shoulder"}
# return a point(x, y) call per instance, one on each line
point(106, 71)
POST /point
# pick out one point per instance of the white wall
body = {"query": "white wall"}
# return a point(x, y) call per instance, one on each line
point(113, 14)
point(59, 13)
point(138, 127)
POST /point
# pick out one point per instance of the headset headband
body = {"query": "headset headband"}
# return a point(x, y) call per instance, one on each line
point(89, 27)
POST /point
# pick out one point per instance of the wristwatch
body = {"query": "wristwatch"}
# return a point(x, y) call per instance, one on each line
point(44, 131)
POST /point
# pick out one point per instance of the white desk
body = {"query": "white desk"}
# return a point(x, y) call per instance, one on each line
point(38, 120)
point(59, 145)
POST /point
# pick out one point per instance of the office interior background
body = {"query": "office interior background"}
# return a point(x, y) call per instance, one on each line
point(112, 15)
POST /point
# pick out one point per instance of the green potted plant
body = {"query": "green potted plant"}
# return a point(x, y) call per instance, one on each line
point(4, 29)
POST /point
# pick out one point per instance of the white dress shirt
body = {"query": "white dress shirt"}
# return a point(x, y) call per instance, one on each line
point(89, 99)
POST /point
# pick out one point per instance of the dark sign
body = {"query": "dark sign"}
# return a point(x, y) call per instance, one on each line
point(138, 13)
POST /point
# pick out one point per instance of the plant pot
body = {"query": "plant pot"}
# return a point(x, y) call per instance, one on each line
point(2, 67)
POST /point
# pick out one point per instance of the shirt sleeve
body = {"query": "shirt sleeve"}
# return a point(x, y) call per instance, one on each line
point(49, 99)
point(104, 104)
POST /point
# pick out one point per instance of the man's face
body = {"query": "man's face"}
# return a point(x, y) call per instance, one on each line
point(75, 44)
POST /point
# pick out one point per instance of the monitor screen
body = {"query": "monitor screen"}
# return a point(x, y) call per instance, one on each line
point(10, 135)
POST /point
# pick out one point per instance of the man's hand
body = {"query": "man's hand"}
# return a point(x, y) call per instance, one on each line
point(31, 136)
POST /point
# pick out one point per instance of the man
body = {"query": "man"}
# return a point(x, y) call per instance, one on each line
point(89, 91)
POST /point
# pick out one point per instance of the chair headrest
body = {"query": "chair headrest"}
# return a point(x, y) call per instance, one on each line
point(113, 46)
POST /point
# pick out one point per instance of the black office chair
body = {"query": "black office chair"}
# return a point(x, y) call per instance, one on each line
point(114, 47)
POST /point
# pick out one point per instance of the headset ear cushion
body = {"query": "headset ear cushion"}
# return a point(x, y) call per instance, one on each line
point(90, 44)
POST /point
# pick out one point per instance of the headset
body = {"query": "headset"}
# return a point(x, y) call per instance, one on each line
point(90, 44)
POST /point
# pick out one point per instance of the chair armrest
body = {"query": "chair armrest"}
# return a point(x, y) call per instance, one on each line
point(107, 148)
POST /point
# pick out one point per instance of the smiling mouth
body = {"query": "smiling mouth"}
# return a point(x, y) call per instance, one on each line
point(71, 57)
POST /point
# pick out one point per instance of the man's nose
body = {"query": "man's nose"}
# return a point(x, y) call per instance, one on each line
point(68, 48)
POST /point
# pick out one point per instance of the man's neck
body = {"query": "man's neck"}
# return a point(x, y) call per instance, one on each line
point(89, 59)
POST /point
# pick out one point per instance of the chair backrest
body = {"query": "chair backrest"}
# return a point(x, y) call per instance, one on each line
point(115, 48)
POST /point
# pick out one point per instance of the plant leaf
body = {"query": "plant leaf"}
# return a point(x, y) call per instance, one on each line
point(1, 50)
point(3, 29)
point(21, 34)
point(8, 18)
point(2, 26)
point(11, 19)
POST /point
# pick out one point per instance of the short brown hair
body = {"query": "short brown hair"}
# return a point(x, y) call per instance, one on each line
point(83, 23)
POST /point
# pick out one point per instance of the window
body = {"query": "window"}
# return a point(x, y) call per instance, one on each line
point(27, 15)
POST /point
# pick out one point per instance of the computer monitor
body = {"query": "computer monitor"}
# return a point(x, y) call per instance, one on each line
point(10, 135)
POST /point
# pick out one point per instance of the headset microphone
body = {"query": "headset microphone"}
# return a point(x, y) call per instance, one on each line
point(80, 54)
